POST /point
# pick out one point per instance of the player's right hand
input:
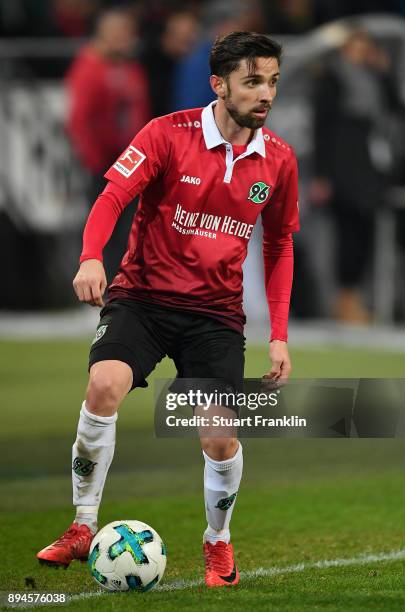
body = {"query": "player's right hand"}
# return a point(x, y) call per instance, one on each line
point(90, 282)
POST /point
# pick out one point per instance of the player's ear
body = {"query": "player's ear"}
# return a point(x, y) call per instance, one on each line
point(218, 85)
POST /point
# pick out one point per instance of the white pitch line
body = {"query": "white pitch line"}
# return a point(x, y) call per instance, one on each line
point(268, 572)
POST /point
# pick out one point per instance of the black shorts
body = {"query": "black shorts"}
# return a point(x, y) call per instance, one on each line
point(141, 335)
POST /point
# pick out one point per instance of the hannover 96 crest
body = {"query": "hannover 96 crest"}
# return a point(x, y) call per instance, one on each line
point(259, 192)
point(100, 333)
point(226, 502)
point(82, 466)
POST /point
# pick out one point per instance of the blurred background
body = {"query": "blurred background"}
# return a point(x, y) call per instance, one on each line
point(79, 78)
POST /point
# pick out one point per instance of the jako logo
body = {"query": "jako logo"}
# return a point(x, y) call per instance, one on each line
point(194, 180)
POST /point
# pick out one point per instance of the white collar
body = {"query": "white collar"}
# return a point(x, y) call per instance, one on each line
point(213, 136)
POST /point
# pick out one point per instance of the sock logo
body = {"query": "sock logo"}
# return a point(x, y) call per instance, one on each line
point(82, 466)
point(226, 502)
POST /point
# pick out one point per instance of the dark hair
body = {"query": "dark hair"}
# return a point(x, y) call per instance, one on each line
point(228, 51)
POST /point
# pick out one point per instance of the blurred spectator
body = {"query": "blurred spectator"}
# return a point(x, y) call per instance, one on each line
point(155, 13)
point(162, 54)
point(24, 18)
point(290, 16)
point(350, 97)
point(47, 17)
point(191, 84)
point(328, 10)
point(300, 16)
point(108, 93)
point(73, 17)
point(108, 105)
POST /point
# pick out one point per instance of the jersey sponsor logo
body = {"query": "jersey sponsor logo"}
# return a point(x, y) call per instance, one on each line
point(193, 180)
point(186, 222)
point(129, 161)
point(259, 192)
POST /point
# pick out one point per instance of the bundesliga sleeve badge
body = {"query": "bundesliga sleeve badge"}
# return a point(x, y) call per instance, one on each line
point(129, 161)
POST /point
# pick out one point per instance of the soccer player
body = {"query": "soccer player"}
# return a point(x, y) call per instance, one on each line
point(204, 176)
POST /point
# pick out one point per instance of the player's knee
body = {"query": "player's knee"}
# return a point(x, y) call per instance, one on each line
point(220, 449)
point(103, 395)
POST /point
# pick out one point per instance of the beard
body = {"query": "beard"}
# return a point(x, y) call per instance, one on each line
point(245, 120)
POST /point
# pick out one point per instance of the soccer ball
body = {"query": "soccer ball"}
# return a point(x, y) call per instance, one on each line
point(127, 556)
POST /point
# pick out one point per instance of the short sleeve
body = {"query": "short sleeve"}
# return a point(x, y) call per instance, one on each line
point(142, 161)
point(281, 215)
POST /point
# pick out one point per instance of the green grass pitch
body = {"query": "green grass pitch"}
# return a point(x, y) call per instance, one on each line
point(303, 501)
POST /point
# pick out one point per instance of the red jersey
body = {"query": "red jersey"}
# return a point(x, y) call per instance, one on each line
point(196, 213)
point(108, 104)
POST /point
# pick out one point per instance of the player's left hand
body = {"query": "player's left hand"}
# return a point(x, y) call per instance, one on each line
point(280, 362)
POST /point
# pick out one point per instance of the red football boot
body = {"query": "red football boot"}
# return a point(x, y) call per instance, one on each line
point(73, 544)
point(220, 567)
